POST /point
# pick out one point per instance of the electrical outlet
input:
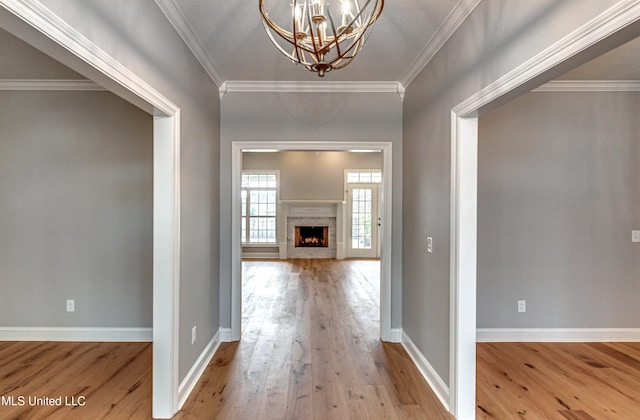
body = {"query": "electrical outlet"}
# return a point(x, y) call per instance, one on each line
point(193, 335)
point(429, 244)
point(71, 305)
point(522, 306)
point(635, 236)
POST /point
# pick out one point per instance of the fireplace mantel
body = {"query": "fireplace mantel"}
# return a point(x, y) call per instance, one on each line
point(311, 209)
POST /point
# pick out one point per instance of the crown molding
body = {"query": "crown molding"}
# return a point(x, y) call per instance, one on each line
point(590, 86)
point(451, 23)
point(311, 87)
point(188, 35)
point(37, 15)
point(612, 20)
point(38, 84)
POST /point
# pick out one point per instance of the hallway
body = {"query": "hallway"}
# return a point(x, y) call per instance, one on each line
point(310, 349)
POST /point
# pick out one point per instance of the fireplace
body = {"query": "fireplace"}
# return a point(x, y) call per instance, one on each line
point(312, 236)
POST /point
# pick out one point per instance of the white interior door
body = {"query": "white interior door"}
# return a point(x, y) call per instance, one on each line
point(364, 221)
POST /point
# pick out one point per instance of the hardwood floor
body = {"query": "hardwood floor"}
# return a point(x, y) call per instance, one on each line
point(575, 381)
point(310, 349)
point(79, 380)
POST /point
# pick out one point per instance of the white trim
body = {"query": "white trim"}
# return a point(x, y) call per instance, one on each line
point(166, 216)
point(196, 371)
point(451, 23)
point(35, 14)
point(590, 86)
point(462, 383)
point(89, 334)
point(463, 251)
point(312, 202)
point(173, 13)
point(396, 335)
point(257, 86)
point(225, 335)
point(166, 264)
point(387, 222)
point(434, 380)
point(564, 335)
point(222, 90)
point(49, 84)
point(609, 22)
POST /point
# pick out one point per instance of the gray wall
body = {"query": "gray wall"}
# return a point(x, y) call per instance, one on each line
point(308, 175)
point(558, 196)
point(76, 199)
point(139, 36)
point(268, 117)
point(496, 38)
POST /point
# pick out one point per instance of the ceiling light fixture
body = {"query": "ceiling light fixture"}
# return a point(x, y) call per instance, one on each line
point(315, 39)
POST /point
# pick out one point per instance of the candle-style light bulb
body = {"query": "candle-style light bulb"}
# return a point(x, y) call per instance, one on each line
point(297, 14)
point(346, 8)
point(317, 7)
point(346, 17)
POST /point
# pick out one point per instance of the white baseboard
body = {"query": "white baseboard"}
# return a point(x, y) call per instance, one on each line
point(225, 335)
point(261, 255)
point(489, 335)
point(428, 372)
point(190, 381)
point(76, 334)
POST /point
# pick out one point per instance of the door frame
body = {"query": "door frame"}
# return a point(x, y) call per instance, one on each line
point(386, 231)
point(602, 33)
point(35, 23)
point(375, 222)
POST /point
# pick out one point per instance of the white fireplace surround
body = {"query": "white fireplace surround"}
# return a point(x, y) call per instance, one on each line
point(314, 213)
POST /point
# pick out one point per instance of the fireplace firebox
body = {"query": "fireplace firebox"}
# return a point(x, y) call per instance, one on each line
point(312, 236)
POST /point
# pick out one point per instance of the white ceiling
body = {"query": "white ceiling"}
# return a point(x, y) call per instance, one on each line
point(221, 34)
point(229, 38)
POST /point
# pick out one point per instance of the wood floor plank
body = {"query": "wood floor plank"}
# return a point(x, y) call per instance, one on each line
point(558, 380)
point(333, 364)
point(310, 349)
point(80, 380)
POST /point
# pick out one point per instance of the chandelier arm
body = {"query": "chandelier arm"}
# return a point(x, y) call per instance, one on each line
point(335, 36)
point(374, 15)
point(285, 35)
point(359, 42)
point(347, 59)
point(358, 9)
point(274, 26)
point(315, 53)
point(282, 50)
point(362, 28)
point(295, 33)
point(355, 46)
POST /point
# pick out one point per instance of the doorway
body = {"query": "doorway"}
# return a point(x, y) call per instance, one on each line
point(363, 220)
point(464, 161)
point(386, 228)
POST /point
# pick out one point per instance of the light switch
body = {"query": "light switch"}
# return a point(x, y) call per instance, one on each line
point(635, 236)
point(429, 244)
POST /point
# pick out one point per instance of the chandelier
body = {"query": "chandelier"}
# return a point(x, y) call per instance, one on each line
point(321, 36)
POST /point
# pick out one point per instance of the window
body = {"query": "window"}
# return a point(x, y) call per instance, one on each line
point(364, 177)
point(259, 194)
